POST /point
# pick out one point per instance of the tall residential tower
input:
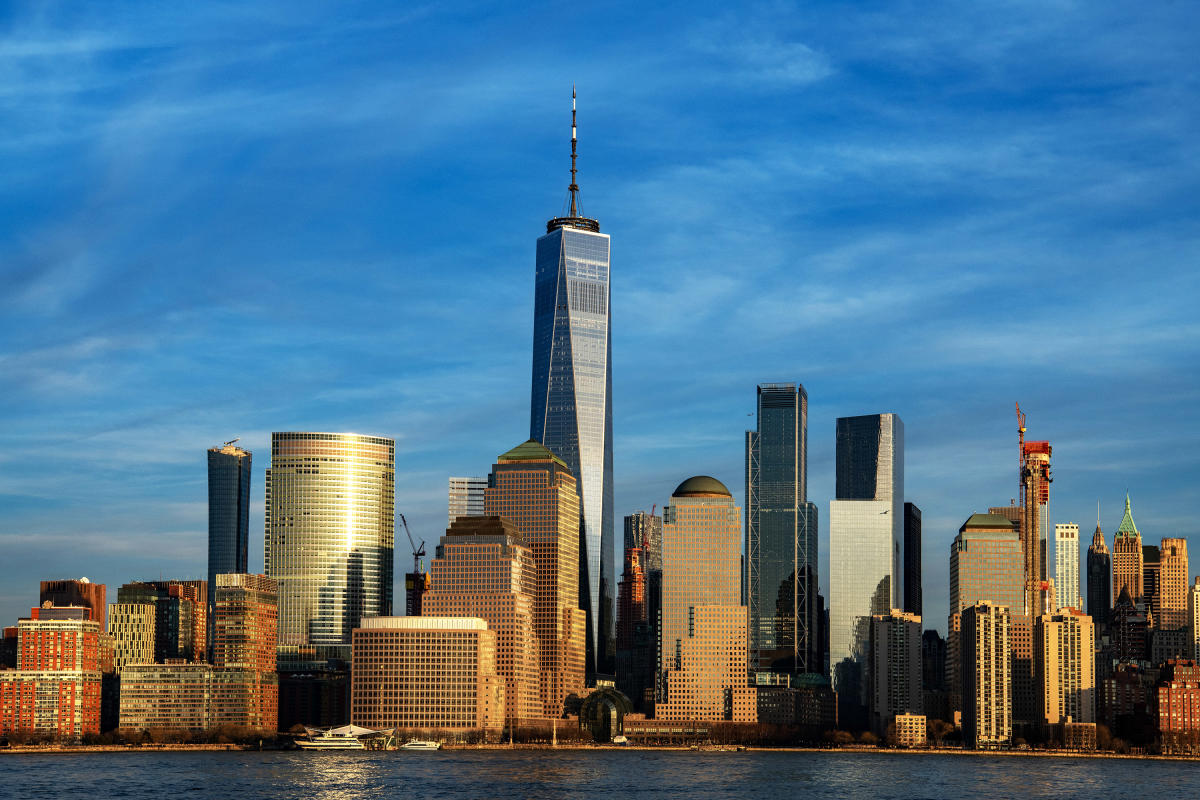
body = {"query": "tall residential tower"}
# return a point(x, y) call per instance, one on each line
point(571, 398)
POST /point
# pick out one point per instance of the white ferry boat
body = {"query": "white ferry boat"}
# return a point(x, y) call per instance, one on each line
point(417, 744)
point(346, 737)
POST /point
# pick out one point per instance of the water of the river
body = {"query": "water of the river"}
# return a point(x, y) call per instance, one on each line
point(585, 774)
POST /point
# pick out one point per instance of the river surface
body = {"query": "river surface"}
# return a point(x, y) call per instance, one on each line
point(584, 774)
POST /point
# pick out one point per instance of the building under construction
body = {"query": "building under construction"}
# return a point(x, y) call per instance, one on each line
point(1035, 494)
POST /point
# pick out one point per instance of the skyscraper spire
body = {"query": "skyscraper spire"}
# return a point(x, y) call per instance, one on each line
point(574, 217)
point(574, 187)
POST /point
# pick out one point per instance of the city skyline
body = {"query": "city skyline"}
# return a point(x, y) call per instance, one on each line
point(118, 360)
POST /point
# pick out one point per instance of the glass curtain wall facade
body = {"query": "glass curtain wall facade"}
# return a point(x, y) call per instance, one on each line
point(866, 541)
point(330, 528)
point(228, 518)
point(465, 498)
point(571, 402)
point(913, 599)
point(781, 535)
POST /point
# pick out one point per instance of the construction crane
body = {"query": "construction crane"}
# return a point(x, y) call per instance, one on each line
point(646, 529)
point(418, 552)
point(232, 441)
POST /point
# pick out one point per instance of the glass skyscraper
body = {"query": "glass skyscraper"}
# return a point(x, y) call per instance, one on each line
point(330, 528)
point(866, 545)
point(228, 517)
point(781, 535)
point(571, 402)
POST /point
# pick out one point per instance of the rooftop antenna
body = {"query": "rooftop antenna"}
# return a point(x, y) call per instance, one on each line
point(574, 187)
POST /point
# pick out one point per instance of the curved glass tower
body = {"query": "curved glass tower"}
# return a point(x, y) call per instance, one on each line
point(571, 403)
point(330, 526)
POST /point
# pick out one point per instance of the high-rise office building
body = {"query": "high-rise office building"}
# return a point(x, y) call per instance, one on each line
point(81, 592)
point(1065, 658)
point(986, 564)
point(1066, 565)
point(895, 672)
point(702, 658)
point(866, 542)
point(482, 568)
point(534, 489)
point(1151, 568)
point(571, 398)
point(181, 616)
point(1172, 584)
point(781, 535)
point(1127, 557)
point(426, 673)
point(228, 516)
point(986, 677)
point(330, 530)
point(1099, 571)
point(465, 498)
point(913, 600)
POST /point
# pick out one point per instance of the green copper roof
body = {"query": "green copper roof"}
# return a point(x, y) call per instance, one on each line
point(1127, 528)
point(531, 451)
point(988, 521)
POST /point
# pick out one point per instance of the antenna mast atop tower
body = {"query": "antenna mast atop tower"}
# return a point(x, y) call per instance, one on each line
point(574, 187)
point(573, 219)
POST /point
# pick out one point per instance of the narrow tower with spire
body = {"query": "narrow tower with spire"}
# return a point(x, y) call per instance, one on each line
point(1099, 576)
point(1127, 557)
point(571, 398)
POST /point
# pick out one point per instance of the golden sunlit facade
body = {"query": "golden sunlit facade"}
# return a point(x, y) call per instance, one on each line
point(483, 569)
point(330, 526)
point(1127, 558)
point(1065, 657)
point(131, 625)
point(246, 619)
point(702, 658)
point(426, 672)
point(532, 488)
point(1173, 584)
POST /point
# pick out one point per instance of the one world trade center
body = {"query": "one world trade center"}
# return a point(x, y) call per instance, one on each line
point(571, 405)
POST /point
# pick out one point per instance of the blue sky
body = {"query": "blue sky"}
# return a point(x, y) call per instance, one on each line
point(228, 219)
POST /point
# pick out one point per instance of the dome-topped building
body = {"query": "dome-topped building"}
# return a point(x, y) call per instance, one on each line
point(701, 486)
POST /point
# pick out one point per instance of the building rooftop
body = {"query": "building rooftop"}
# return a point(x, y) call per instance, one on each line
point(1127, 528)
point(531, 451)
point(988, 522)
point(701, 486)
point(424, 623)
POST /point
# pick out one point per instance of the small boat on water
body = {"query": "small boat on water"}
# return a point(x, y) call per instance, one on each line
point(347, 737)
point(418, 744)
